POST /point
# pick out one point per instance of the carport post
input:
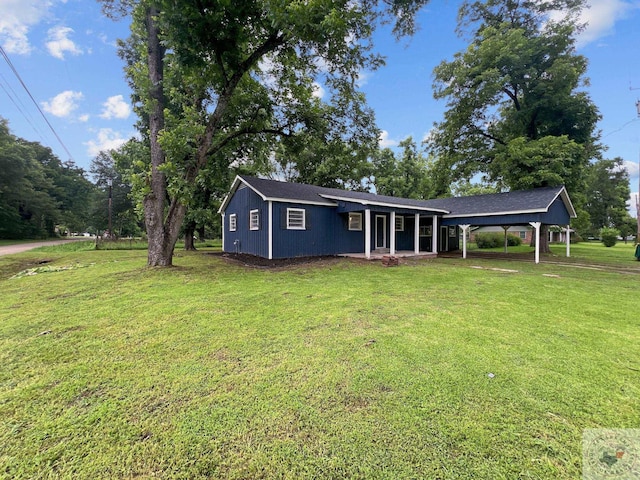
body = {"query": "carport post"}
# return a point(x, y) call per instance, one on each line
point(568, 241)
point(537, 225)
point(464, 239)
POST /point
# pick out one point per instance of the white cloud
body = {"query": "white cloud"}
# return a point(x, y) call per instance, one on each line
point(107, 139)
point(16, 18)
point(84, 117)
point(600, 18)
point(115, 107)
point(59, 42)
point(384, 141)
point(63, 104)
point(632, 168)
point(318, 91)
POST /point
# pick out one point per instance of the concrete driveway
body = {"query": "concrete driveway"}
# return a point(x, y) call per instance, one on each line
point(23, 247)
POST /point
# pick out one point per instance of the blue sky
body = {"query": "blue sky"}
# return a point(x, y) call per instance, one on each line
point(65, 52)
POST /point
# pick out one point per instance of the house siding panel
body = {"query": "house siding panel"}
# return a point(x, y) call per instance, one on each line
point(254, 242)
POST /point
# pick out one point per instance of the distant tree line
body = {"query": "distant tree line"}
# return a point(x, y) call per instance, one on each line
point(42, 196)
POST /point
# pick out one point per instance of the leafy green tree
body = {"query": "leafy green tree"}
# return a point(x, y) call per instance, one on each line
point(516, 112)
point(125, 221)
point(38, 192)
point(207, 73)
point(408, 176)
point(608, 191)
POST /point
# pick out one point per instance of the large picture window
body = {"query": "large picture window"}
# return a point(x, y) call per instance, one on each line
point(355, 221)
point(233, 222)
point(295, 219)
point(254, 220)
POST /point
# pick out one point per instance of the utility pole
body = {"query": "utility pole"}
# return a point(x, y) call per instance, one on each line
point(110, 183)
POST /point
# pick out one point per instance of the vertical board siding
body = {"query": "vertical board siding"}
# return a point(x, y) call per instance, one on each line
point(254, 242)
point(326, 232)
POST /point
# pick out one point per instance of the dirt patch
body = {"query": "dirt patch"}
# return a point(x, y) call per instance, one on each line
point(259, 262)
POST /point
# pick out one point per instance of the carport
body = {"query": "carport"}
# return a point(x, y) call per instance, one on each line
point(542, 206)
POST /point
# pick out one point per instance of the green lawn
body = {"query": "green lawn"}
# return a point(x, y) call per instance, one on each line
point(340, 369)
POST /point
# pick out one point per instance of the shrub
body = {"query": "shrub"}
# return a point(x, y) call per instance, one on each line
point(496, 240)
point(609, 236)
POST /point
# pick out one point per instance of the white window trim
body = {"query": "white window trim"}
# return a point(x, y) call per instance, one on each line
point(233, 222)
point(359, 215)
point(255, 226)
point(304, 219)
point(400, 220)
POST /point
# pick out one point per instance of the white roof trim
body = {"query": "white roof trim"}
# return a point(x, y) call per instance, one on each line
point(383, 204)
point(491, 214)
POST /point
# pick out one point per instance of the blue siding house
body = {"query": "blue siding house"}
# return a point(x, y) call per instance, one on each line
point(274, 219)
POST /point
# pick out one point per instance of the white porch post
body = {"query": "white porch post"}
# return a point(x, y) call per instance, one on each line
point(464, 228)
point(270, 231)
point(434, 234)
point(367, 233)
point(416, 235)
point(568, 234)
point(537, 225)
point(392, 232)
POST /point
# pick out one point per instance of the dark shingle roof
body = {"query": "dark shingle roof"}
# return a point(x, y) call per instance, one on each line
point(537, 200)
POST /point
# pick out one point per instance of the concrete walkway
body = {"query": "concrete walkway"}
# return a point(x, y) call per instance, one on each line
point(24, 247)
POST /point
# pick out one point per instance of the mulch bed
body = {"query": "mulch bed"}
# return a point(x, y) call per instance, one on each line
point(259, 262)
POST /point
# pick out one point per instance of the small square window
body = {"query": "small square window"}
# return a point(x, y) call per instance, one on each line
point(254, 220)
point(523, 234)
point(295, 219)
point(399, 224)
point(233, 222)
point(355, 221)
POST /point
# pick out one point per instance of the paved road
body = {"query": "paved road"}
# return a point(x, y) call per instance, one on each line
point(23, 247)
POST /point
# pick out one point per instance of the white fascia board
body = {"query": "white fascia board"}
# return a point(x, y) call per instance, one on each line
point(491, 214)
point(384, 204)
point(567, 202)
point(232, 191)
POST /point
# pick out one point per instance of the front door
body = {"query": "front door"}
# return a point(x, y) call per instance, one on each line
point(444, 239)
point(381, 231)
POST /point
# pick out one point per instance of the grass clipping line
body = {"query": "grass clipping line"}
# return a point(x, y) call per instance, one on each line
point(48, 269)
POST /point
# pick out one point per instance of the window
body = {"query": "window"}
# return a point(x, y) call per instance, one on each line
point(233, 220)
point(452, 231)
point(355, 221)
point(523, 234)
point(399, 224)
point(254, 220)
point(425, 230)
point(295, 219)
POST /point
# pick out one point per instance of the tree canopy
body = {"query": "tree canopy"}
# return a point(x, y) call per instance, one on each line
point(209, 74)
point(517, 113)
point(39, 194)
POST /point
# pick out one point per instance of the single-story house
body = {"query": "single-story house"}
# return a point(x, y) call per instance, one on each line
point(275, 219)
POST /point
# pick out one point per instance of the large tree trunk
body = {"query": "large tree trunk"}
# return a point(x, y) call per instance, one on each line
point(189, 231)
point(544, 238)
point(162, 231)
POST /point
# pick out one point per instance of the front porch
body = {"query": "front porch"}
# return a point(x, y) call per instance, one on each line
point(377, 255)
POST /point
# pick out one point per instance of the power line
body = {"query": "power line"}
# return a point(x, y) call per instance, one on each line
point(15, 100)
point(15, 72)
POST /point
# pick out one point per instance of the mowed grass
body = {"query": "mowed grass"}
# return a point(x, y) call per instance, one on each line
point(340, 369)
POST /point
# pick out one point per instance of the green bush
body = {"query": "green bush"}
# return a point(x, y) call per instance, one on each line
point(496, 240)
point(609, 236)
